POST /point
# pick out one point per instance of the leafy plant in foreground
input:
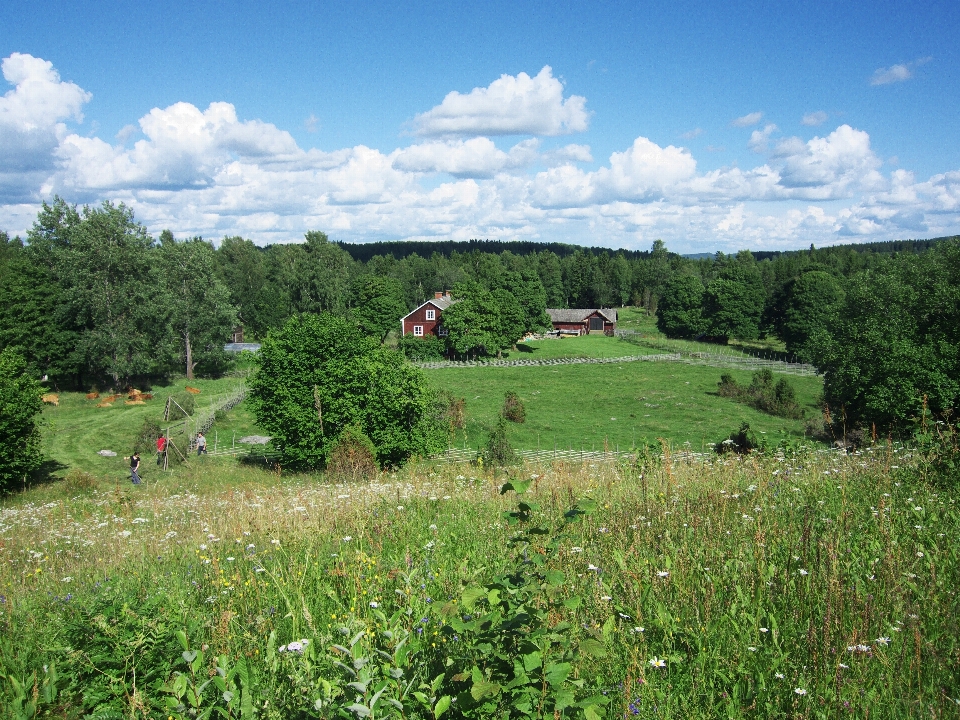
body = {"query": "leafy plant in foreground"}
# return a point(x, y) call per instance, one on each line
point(515, 658)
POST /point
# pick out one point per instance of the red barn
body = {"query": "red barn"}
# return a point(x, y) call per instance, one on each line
point(583, 321)
point(426, 319)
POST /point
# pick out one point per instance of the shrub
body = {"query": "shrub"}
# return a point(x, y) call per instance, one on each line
point(742, 442)
point(180, 405)
point(319, 374)
point(146, 441)
point(452, 411)
point(778, 398)
point(498, 451)
point(353, 457)
point(19, 406)
point(421, 349)
point(513, 409)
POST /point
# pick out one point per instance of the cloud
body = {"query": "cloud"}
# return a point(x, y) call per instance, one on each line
point(759, 139)
point(814, 118)
point(31, 120)
point(897, 73)
point(747, 120)
point(511, 105)
point(208, 172)
point(691, 134)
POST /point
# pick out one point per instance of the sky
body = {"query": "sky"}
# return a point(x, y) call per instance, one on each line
point(712, 126)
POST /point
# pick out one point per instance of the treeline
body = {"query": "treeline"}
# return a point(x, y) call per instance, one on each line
point(89, 297)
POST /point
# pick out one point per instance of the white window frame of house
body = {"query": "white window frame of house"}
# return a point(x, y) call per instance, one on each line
point(431, 315)
point(442, 331)
point(418, 330)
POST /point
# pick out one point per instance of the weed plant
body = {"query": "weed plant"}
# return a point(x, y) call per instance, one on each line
point(778, 398)
point(802, 584)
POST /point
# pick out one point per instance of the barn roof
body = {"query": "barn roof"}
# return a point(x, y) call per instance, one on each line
point(578, 315)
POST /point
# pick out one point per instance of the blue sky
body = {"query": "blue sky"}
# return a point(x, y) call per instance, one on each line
point(714, 126)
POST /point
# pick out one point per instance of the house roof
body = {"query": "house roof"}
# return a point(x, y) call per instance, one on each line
point(579, 315)
point(441, 303)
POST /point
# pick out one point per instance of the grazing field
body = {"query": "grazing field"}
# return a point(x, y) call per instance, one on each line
point(806, 585)
point(574, 406)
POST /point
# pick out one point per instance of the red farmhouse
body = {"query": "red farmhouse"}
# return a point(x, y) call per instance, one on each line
point(425, 320)
point(583, 321)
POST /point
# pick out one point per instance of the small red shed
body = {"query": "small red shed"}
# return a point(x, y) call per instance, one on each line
point(583, 321)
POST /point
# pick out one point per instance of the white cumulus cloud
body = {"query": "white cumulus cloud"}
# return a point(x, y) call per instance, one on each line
point(747, 120)
point(510, 105)
point(814, 118)
point(896, 73)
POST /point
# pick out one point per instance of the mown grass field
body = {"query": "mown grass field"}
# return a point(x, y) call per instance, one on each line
point(802, 585)
point(574, 406)
point(77, 429)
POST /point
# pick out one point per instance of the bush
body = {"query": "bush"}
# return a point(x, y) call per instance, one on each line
point(513, 409)
point(778, 398)
point(421, 349)
point(146, 441)
point(19, 407)
point(498, 451)
point(452, 411)
point(742, 442)
point(78, 481)
point(180, 405)
point(353, 457)
point(319, 374)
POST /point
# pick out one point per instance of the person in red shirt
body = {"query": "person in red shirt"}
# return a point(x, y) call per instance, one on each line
point(161, 449)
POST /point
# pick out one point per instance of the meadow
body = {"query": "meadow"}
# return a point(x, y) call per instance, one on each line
point(803, 584)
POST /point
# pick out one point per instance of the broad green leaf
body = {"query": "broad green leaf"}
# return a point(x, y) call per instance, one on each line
point(441, 707)
point(572, 602)
point(592, 712)
point(556, 673)
point(483, 689)
point(593, 648)
point(555, 577)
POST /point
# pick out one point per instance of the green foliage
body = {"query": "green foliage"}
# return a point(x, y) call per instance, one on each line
point(181, 405)
point(778, 398)
point(896, 340)
point(423, 349)
point(320, 374)
point(474, 321)
point(513, 409)
point(377, 305)
point(20, 405)
point(741, 442)
point(937, 445)
point(733, 302)
point(196, 305)
point(146, 441)
point(353, 457)
point(813, 303)
point(498, 451)
point(680, 309)
point(518, 641)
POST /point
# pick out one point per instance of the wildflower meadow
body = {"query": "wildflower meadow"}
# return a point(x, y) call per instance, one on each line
point(804, 584)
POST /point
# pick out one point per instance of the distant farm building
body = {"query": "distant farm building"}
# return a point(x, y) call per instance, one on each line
point(427, 319)
point(583, 321)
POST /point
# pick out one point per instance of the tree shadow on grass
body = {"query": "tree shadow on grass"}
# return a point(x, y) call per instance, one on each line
point(49, 472)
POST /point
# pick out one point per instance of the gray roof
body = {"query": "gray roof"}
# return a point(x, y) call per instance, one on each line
point(579, 315)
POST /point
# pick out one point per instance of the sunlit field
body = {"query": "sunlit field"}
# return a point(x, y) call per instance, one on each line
point(811, 584)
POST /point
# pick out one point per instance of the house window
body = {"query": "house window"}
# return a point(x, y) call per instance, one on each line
point(418, 330)
point(442, 331)
point(431, 315)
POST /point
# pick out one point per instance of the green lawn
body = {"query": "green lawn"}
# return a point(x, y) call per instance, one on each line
point(75, 431)
point(574, 406)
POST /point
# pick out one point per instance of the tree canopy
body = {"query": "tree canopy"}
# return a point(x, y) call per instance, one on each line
point(19, 406)
point(319, 375)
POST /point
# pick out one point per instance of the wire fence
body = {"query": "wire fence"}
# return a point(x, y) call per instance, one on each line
point(458, 456)
point(203, 420)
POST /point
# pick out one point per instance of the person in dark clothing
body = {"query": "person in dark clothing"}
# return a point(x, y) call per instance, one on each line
point(201, 444)
point(135, 468)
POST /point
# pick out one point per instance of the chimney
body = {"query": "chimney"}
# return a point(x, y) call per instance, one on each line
point(438, 295)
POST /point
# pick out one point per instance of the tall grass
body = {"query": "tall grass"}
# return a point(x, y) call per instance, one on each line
point(811, 584)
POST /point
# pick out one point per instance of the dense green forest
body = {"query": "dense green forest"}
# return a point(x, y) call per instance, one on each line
point(89, 298)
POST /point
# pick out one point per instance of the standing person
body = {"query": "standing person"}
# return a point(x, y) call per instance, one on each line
point(135, 468)
point(201, 444)
point(161, 449)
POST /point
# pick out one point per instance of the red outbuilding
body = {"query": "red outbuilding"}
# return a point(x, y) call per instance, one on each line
point(583, 321)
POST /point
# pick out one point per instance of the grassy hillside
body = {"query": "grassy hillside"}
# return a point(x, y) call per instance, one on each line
point(804, 585)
